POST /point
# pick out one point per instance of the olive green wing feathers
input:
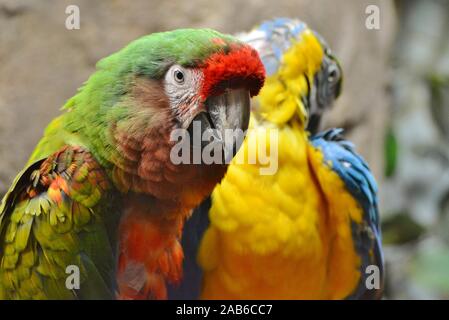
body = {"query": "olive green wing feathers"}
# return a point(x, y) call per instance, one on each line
point(57, 214)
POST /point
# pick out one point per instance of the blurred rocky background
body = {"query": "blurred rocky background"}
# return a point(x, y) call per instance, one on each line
point(415, 193)
point(395, 102)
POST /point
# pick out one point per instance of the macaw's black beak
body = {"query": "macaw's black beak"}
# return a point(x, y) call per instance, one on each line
point(222, 126)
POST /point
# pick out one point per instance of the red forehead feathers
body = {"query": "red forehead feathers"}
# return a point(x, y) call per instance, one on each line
point(240, 67)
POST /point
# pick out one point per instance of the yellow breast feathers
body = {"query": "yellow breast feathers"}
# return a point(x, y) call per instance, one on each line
point(275, 236)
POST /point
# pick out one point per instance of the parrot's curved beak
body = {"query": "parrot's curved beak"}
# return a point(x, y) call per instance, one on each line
point(224, 121)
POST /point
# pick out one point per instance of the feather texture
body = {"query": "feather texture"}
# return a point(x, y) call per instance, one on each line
point(309, 230)
point(53, 217)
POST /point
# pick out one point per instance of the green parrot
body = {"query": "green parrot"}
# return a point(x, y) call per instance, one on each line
point(100, 196)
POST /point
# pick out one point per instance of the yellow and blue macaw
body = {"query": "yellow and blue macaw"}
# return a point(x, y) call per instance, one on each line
point(311, 228)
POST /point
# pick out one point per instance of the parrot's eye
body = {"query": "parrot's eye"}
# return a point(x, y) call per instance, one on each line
point(179, 76)
point(332, 74)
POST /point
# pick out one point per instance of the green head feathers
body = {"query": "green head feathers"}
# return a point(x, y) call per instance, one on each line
point(149, 56)
point(155, 84)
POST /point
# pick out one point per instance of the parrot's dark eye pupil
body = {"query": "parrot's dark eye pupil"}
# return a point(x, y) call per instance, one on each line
point(333, 74)
point(179, 76)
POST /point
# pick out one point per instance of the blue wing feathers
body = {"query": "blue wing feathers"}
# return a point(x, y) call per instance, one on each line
point(360, 183)
point(351, 168)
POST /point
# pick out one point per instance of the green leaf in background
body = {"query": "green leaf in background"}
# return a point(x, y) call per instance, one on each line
point(400, 228)
point(391, 150)
point(439, 85)
point(431, 269)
